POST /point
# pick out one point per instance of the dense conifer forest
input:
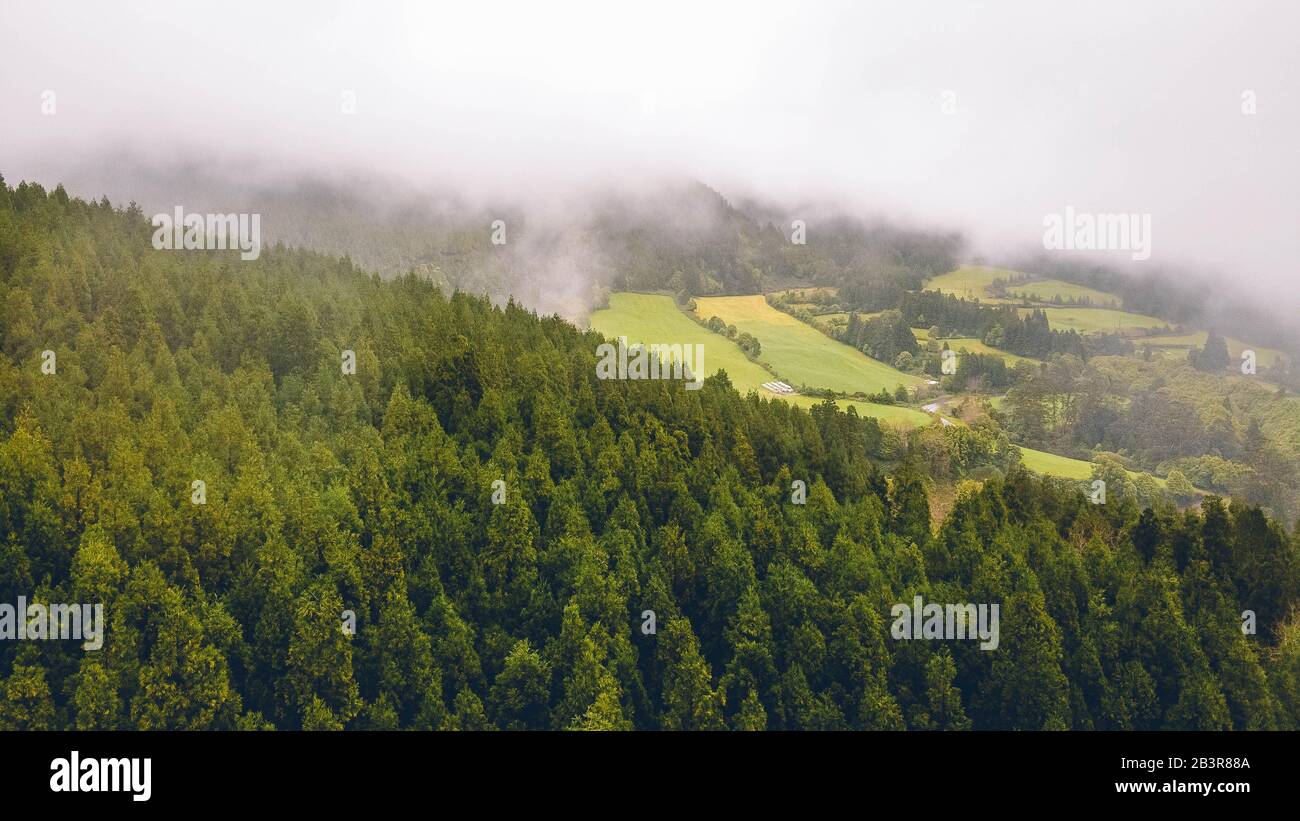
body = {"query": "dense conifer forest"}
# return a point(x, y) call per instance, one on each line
point(500, 523)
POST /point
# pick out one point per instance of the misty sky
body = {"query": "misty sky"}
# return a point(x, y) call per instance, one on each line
point(1109, 107)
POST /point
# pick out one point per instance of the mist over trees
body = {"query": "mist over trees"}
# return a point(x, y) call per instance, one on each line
point(1190, 297)
point(374, 493)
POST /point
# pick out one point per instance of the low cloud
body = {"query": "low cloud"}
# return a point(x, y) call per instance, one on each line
point(982, 118)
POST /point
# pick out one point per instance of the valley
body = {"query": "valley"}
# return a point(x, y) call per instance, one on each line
point(799, 329)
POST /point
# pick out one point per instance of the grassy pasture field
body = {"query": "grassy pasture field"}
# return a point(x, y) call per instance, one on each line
point(897, 414)
point(838, 320)
point(799, 352)
point(969, 282)
point(1048, 290)
point(972, 345)
point(972, 281)
point(832, 323)
point(1179, 344)
point(862, 315)
point(1053, 465)
point(649, 318)
point(1097, 320)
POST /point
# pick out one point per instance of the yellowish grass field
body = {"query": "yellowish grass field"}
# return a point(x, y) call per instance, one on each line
point(800, 353)
point(649, 318)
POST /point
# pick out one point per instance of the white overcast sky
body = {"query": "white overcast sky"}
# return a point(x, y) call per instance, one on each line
point(1106, 106)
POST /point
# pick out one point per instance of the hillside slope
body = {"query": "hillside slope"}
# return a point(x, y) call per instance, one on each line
point(503, 526)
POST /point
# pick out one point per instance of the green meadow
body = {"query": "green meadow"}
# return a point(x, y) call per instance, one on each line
point(970, 344)
point(1179, 344)
point(649, 318)
point(1053, 465)
point(972, 281)
point(1053, 290)
point(799, 352)
point(969, 282)
point(1097, 320)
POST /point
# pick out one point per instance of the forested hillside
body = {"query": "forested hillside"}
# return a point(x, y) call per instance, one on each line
point(683, 238)
point(499, 521)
